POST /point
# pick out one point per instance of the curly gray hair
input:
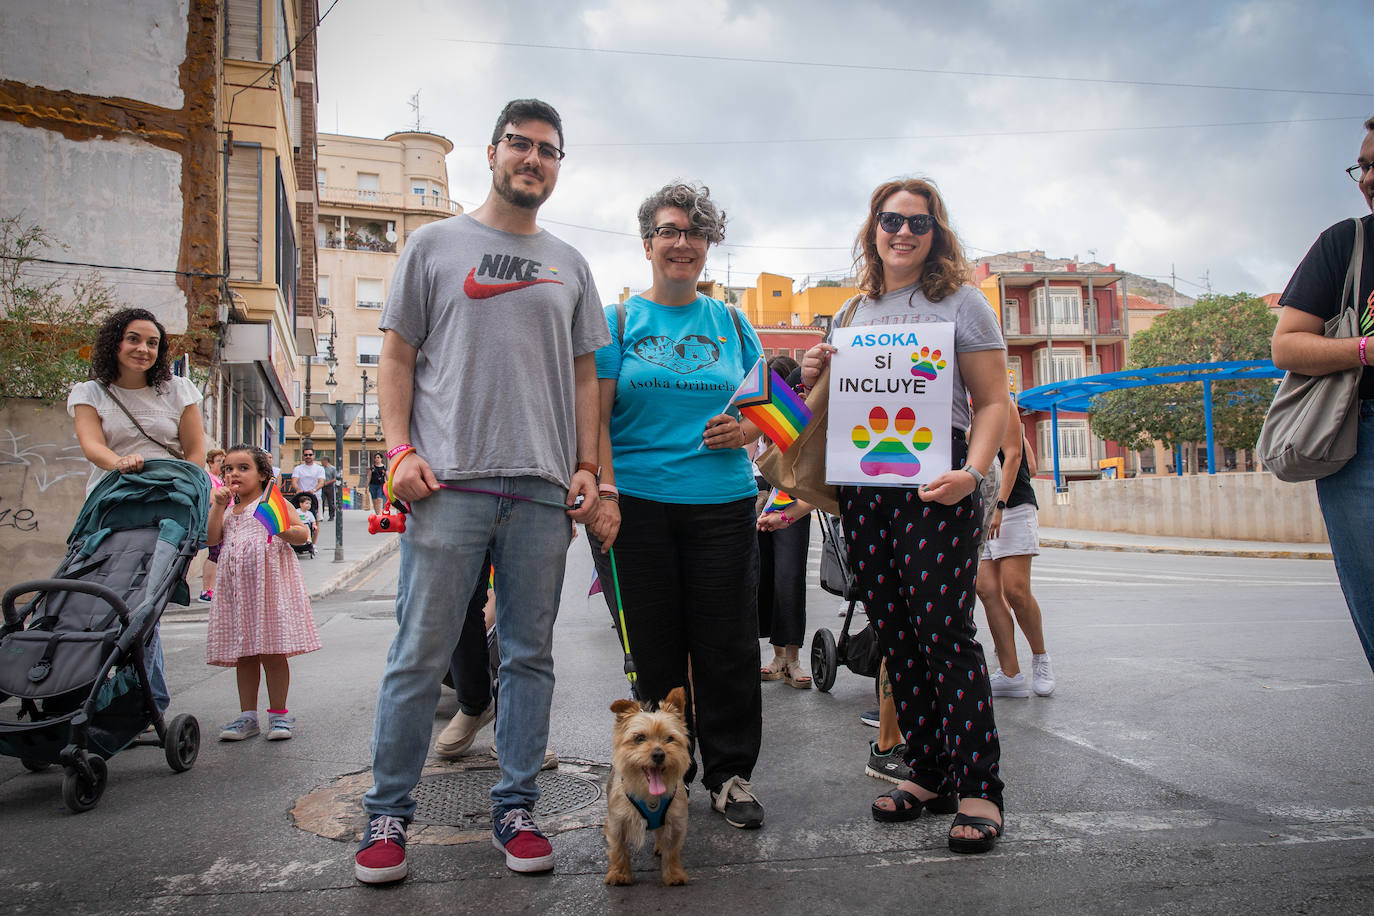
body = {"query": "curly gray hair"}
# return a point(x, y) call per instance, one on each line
point(694, 199)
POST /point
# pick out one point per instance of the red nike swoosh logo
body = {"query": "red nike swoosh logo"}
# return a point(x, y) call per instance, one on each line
point(477, 290)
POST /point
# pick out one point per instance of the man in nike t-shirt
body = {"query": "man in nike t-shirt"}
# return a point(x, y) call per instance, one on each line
point(487, 382)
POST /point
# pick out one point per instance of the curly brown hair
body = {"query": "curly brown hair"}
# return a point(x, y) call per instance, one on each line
point(946, 269)
point(105, 352)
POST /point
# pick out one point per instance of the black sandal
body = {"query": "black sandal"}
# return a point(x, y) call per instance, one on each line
point(989, 832)
point(909, 807)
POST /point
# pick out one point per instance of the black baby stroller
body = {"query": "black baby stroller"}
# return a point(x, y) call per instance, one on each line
point(859, 652)
point(74, 685)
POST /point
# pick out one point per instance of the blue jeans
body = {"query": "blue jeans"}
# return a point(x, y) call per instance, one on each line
point(442, 550)
point(1347, 498)
point(157, 676)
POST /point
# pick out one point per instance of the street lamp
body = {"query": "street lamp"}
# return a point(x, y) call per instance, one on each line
point(367, 460)
point(341, 415)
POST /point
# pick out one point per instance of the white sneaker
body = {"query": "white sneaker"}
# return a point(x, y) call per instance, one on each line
point(1042, 676)
point(1003, 686)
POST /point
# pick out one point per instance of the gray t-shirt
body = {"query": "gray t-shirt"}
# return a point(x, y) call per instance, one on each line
point(975, 326)
point(497, 319)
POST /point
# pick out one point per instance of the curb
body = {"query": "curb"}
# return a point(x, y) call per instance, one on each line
point(1316, 553)
point(355, 568)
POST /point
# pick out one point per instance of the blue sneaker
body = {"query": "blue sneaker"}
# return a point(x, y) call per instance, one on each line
point(527, 849)
point(240, 728)
point(279, 727)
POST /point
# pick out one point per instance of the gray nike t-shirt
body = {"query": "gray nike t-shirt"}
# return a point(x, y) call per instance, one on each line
point(497, 319)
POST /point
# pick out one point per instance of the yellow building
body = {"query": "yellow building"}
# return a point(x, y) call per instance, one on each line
point(373, 194)
point(771, 302)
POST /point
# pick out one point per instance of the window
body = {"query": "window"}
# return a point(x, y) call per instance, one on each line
point(1066, 303)
point(243, 30)
point(1011, 317)
point(777, 294)
point(244, 207)
point(418, 186)
point(1075, 444)
point(1014, 374)
point(370, 293)
point(287, 256)
point(321, 177)
point(322, 289)
point(369, 349)
point(1067, 365)
point(1146, 461)
point(369, 185)
point(281, 47)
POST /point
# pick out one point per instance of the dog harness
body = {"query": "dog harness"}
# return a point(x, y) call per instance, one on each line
point(653, 817)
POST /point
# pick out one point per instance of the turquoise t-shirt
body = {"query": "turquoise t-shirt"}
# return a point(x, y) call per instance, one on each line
point(676, 367)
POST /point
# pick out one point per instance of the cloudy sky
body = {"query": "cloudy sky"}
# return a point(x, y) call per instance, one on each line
point(1204, 137)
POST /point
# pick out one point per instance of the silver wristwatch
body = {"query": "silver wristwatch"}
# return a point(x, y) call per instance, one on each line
point(977, 477)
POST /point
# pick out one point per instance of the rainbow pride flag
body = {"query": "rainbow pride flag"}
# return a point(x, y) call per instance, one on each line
point(271, 510)
point(347, 497)
point(774, 408)
point(778, 501)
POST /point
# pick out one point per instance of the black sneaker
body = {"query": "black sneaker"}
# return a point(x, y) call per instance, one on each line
point(890, 766)
point(735, 799)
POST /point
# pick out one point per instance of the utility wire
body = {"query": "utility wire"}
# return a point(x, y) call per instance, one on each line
point(1048, 131)
point(829, 65)
point(143, 270)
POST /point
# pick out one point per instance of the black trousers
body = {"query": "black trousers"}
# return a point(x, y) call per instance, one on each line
point(470, 668)
point(689, 582)
point(782, 583)
point(916, 563)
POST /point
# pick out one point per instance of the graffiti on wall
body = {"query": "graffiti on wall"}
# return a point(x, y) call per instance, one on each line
point(45, 464)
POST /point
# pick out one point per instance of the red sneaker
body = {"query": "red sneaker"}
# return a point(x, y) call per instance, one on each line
point(381, 858)
point(526, 848)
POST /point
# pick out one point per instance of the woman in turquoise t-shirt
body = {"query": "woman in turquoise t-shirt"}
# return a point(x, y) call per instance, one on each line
point(686, 553)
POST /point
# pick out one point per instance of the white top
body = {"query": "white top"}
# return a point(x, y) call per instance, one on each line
point(305, 477)
point(158, 414)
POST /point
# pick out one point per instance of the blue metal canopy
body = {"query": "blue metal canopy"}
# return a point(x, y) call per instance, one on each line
point(1076, 394)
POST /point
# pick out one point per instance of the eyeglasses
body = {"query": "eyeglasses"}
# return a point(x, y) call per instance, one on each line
point(920, 223)
point(522, 145)
point(309, 454)
point(1359, 169)
point(695, 235)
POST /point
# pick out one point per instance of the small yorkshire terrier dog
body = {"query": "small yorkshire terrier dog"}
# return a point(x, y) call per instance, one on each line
point(647, 794)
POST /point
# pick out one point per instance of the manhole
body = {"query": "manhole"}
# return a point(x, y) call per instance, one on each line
point(464, 799)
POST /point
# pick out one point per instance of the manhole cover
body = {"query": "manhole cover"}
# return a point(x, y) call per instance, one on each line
point(464, 799)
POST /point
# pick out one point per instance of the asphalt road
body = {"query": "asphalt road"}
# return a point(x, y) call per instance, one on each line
point(1208, 750)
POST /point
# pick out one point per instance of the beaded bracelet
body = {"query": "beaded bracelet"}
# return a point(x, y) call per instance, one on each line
point(397, 450)
point(1364, 359)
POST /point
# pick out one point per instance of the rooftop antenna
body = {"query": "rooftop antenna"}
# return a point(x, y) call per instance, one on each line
point(415, 107)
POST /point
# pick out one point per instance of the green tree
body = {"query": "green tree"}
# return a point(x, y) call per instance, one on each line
point(1215, 329)
point(47, 322)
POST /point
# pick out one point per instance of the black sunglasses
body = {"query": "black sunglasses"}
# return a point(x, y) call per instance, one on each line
point(920, 223)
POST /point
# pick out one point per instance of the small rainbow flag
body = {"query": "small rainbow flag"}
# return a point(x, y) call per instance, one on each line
point(596, 584)
point(774, 408)
point(272, 511)
point(347, 498)
point(778, 501)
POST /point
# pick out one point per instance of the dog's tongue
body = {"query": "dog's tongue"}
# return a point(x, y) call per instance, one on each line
point(655, 775)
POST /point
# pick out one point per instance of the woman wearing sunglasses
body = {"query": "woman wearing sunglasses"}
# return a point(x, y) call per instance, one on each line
point(920, 545)
point(686, 554)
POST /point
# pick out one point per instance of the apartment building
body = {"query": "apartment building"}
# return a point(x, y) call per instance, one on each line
point(1062, 320)
point(373, 193)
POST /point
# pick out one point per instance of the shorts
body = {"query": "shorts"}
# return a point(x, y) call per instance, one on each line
point(376, 490)
point(1020, 534)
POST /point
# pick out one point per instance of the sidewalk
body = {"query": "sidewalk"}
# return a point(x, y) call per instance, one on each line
point(1080, 539)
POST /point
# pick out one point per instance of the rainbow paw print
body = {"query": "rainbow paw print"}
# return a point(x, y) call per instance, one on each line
point(891, 455)
point(926, 363)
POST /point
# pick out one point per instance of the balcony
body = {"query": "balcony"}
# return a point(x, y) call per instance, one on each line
point(387, 200)
point(353, 234)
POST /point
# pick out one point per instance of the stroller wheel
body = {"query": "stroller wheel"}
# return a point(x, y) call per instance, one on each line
point(33, 766)
point(81, 794)
point(183, 743)
point(824, 659)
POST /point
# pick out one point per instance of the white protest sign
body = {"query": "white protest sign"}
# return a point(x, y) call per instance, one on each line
point(891, 400)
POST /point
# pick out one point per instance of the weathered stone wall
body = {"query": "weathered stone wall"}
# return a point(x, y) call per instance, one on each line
point(42, 485)
point(1243, 506)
